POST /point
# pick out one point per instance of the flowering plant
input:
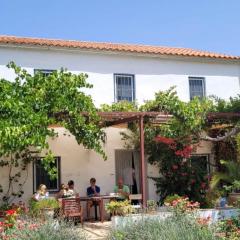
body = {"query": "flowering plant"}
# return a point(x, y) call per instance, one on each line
point(183, 151)
point(229, 228)
point(182, 205)
point(119, 208)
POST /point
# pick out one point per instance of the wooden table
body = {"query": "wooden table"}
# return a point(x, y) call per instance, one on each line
point(100, 198)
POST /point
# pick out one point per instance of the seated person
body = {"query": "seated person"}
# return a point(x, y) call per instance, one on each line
point(93, 191)
point(122, 190)
point(70, 191)
point(41, 193)
point(62, 192)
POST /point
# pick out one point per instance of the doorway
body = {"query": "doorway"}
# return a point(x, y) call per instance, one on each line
point(127, 167)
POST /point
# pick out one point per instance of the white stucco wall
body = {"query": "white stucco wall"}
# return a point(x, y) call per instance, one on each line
point(151, 73)
point(80, 164)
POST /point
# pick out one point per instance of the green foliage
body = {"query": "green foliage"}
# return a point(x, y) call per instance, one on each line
point(237, 138)
point(32, 103)
point(50, 230)
point(189, 121)
point(232, 105)
point(151, 205)
point(119, 207)
point(189, 118)
point(230, 176)
point(121, 106)
point(229, 228)
point(37, 206)
point(177, 175)
point(171, 198)
point(172, 228)
point(212, 197)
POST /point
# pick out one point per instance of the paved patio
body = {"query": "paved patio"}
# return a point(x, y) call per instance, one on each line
point(97, 230)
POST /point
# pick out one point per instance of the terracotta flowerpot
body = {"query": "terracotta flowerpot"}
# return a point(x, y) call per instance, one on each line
point(233, 198)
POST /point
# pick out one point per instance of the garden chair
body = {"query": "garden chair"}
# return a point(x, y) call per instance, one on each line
point(72, 210)
point(136, 198)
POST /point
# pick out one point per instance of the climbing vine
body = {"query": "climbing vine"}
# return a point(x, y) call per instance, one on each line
point(169, 146)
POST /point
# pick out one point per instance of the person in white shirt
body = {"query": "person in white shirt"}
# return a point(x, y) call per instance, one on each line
point(41, 193)
point(70, 191)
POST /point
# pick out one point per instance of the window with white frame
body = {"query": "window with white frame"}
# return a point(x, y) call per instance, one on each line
point(124, 85)
point(45, 72)
point(197, 87)
point(40, 175)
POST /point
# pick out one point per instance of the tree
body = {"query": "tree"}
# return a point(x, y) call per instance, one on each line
point(32, 103)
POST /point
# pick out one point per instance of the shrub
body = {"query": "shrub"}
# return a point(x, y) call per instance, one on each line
point(169, 199)
point(181, 205)
point(172, 228)
point(229, 228)
point(50, 230)
point(151, 205)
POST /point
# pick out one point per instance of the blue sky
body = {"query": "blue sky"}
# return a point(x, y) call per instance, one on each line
point(212, 25)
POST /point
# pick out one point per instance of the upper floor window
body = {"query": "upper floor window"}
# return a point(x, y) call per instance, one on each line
point(124, 87)
point(40, 175)
point(197, 87)
point(45, 72)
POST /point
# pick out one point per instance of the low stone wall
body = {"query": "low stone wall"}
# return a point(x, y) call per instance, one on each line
point(213, 214)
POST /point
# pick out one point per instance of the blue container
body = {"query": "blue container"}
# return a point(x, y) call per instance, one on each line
point(223, 202)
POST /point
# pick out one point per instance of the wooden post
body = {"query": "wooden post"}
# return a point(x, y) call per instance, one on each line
point(142, 160)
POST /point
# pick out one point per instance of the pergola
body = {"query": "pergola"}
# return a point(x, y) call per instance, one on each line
point(115, 118)
point(156, 118)
point(108, 119)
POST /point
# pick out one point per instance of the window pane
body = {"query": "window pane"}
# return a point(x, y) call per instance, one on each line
point(124, 87)
point(200, 163)
point(45, 72)
point(41, 176)
point(196, 87)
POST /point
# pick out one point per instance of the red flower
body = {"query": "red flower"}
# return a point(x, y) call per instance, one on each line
point(203, 185)
point(11, 212)
point(164, 140)
point(185, 152)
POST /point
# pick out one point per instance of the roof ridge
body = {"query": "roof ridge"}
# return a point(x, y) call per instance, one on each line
point(97, 42)
point(110, 46)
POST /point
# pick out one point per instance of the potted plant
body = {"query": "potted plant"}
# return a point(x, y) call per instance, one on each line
point(151, 206)
point(44, 208)
point(231, 178)
point(120, 208)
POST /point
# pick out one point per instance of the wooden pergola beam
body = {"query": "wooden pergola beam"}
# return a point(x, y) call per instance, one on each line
point(223, 116)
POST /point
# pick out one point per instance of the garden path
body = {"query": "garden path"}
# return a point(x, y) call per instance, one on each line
point(97, 230)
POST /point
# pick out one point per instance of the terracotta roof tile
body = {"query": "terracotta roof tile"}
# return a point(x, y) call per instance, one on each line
point(142, 49)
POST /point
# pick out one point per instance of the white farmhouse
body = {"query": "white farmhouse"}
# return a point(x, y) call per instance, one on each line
point(118, 72)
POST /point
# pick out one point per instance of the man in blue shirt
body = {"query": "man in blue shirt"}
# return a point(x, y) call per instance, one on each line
point(93, 191)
